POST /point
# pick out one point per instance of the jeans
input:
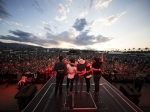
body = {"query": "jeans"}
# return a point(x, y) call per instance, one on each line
point(71, 86)
point(96, 82)
point(80, 78)
point(59, 81)
point(87, 84)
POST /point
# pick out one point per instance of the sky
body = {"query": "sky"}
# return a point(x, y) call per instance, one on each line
point(78, 24)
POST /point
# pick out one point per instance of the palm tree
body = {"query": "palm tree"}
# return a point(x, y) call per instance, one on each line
point(139, 49)
point(133, 48)
point(125, 50)
point(129, 49)
point(146, 48)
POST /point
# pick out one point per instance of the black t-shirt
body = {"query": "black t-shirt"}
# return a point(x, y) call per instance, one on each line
point(81, 67)
point(60, 66)
point(97, 65)
point(88, 68)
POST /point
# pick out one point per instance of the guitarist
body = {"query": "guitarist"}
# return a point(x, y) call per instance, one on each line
point(81, 70)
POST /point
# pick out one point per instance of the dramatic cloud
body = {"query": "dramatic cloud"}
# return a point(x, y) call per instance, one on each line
point(85, 39)
point(69, 37)
point(80, 24)
point(99, 3)
point(21, 36)
point(37, 6)
point(3, 12)
point(61, 9)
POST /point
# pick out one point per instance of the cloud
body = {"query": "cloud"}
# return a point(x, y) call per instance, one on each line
point(82, 39)
point(47, 28)
point(3, 12)
point(61, 18)
point(108, 21)
point(80, 24)
point(13, 23)
point(21, 36)
point(69, 2)
point(55, 27)
point(37, 6)
point(99, 3)
point(111, 19)
point(83, 14)
point(42, 28)
point(85, 39)
point(57, 40)
point(61, 9)
point(45, 23)
point(18, 24)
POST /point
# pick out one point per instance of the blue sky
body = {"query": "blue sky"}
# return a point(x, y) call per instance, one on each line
point(81, 24)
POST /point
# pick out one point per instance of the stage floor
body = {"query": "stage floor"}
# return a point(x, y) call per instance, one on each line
point(108, 99)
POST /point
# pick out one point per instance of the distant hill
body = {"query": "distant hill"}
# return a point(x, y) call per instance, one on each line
point(16, 45)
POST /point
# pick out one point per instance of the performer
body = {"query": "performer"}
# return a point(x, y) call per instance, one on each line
point(97, 72)
point(61, 69)
point(71, 68)
point(88, 76)
point(81, 70)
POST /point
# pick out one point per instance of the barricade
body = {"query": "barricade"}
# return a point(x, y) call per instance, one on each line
point(131, 93)
point(25, 94)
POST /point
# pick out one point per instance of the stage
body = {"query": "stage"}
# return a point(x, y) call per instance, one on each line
point(109, 99)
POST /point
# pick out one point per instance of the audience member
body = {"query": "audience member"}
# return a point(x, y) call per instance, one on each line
point(139, 81)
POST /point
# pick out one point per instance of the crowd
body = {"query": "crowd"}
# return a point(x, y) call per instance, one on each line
point(40, 65)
